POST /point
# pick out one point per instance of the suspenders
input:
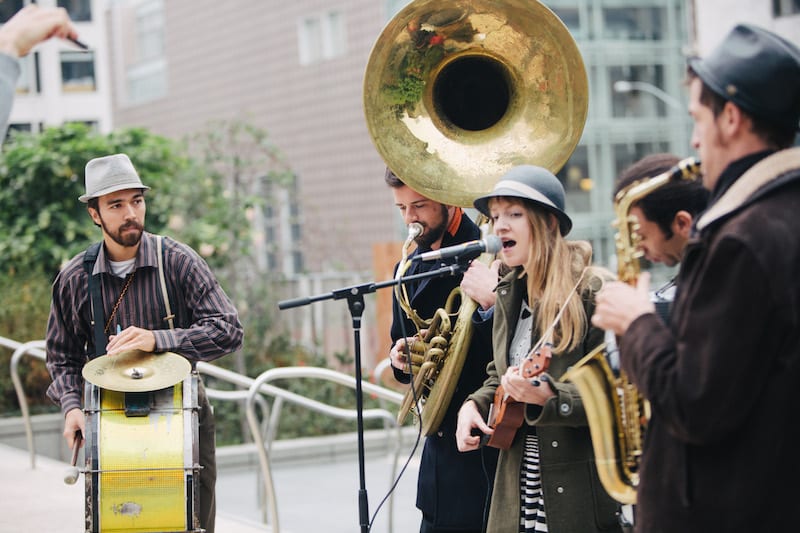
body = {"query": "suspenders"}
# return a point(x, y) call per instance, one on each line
point(96, 300)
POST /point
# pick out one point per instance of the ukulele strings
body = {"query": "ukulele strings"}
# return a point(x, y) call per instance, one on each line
point(548, 333)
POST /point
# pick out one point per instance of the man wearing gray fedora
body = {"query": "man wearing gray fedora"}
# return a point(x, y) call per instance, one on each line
point(720, 450)
point(112, 298)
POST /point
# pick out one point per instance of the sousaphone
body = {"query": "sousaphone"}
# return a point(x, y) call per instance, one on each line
point(456, 92)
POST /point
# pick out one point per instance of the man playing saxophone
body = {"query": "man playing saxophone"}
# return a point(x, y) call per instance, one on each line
point(453, 488)
point(665, 217)
point(722, 377)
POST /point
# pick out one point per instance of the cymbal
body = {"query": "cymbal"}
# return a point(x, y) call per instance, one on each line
point(136, 371)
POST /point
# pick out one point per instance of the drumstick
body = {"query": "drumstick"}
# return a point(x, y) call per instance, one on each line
point(72, 473)
point(78, 43)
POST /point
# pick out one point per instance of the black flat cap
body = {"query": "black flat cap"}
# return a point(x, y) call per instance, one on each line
point(756, 70)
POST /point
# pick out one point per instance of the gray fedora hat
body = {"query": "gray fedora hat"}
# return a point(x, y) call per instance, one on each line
point(534, 184)
point(109, 174)
point(758, 71)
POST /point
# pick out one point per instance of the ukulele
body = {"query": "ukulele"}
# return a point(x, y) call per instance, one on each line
point(506, 414)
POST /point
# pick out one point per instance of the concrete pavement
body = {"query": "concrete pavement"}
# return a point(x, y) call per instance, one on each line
point(316, 483)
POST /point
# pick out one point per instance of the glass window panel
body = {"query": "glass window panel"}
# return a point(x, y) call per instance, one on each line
point(625, 154)
point(297, 262)
point(321, 36)
point(310, 40)
point(23, 127)
point(634, 23)
point(150, 31)
point(147, 75)
point(8, 8)
point(571, 18)
point(147, 82)
point(334, 35)
point(77, 72)
point(79, 10)
point(577, 182)
point(782, 8)
point(29, 80)
point(637, 102)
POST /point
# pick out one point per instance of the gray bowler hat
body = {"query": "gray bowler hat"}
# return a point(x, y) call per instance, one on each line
point(109, 174)
point(534, 184)
point(758, 71)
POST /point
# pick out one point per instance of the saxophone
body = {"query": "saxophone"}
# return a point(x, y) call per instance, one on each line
point(616, 412)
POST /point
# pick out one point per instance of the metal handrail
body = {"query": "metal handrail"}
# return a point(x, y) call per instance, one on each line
point(36, 349)
point(256, 388)
point(262, 385)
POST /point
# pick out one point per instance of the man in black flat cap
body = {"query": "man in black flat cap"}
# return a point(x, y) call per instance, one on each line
point(721, 449)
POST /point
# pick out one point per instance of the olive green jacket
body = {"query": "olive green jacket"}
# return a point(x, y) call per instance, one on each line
point(574, 499)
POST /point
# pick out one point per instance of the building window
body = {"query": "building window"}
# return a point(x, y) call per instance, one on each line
point(282, 227)
point(8, 8)
point(77, 72)
point(634, 23)
point(297, 262)
point(570, 16)
point(782, 8)
point(147, 82)
point(147, 76)
point(79, 10)
point(150, 31)
point(26, 127)
point(639, 99)
point(574, 176)
point(29, 81)
point(18, 128)
point(625, 154)
point(321, 37)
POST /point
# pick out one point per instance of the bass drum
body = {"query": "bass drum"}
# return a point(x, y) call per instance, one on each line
point(142, 459)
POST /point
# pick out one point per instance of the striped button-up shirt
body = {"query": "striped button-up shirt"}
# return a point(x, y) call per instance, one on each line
point(206, 322)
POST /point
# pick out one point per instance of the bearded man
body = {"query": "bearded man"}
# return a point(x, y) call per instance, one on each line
point(136, 291)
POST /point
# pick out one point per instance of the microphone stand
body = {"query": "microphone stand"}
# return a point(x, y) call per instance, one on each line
point(355, 302)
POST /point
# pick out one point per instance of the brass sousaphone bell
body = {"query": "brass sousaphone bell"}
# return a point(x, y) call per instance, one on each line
point(456, 93)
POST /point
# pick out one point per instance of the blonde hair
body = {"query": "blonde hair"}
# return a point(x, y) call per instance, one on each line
point(553, 269)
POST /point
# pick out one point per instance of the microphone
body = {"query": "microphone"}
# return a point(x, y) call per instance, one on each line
point(414, 230)
point(466, 251)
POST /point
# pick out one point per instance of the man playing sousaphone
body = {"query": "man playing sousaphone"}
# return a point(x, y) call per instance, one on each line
point(124, 271)
point(453, 488)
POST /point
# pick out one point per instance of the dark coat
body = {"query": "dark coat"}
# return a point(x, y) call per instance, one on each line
point(452, 487)
point(723, 379)
point(573, 497)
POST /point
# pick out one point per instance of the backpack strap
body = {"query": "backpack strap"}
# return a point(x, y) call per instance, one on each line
point(95, 300)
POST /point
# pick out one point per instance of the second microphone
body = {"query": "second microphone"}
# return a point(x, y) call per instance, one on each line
point(464, 252)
